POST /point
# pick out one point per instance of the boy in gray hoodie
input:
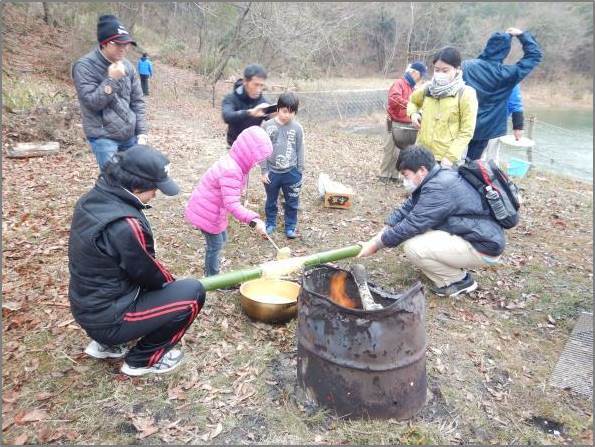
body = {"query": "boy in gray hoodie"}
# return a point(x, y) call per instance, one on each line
point(284, 168)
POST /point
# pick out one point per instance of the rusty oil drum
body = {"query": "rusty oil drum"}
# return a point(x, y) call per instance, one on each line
point(362, 364)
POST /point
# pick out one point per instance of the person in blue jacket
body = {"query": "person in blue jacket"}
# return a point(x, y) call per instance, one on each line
point(444, 226)
point(145, 70)
point(494, 81)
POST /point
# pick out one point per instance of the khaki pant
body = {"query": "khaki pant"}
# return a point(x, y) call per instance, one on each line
point(398, 137)
point(442, 257)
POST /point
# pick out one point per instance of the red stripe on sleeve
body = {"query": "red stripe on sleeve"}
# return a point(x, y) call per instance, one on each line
point(138, 232)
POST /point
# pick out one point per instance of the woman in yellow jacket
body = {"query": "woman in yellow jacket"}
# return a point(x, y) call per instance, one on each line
point(445, 110)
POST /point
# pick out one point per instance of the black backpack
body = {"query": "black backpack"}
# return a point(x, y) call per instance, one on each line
point(500, 193)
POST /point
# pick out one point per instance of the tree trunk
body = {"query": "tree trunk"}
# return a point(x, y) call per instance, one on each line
point(231, 48)
point(389, 61)
point(46, 12)
point(410, 32)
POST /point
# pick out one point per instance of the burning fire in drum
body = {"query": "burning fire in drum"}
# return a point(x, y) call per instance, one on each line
point(361, 363)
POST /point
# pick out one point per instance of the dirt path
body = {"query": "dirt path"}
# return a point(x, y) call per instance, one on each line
point(489, 355)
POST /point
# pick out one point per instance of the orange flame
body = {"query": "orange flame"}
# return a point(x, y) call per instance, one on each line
point(337, 291)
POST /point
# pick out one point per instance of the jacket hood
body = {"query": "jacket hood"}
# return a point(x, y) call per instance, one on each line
point(252, 146)
point(497, 47)
point(238, 88)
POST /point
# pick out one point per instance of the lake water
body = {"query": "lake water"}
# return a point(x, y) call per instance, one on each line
point(563, 141)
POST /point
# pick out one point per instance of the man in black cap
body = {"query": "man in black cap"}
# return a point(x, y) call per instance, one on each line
point(118, 290)
point(109, 92)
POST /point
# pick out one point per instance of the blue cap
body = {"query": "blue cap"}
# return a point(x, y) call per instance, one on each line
point(419, 66)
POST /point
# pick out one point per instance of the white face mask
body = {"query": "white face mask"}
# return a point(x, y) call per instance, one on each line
point(409, 185)
point(441, 78)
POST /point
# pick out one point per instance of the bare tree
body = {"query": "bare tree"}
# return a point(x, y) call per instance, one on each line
point(231, 48)
point(46, 12)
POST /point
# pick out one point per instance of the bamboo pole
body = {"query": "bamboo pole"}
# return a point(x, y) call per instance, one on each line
point(239, 276)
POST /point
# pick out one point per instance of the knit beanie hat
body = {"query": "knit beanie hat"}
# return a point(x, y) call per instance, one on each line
point(110, 29)
point(419, 66)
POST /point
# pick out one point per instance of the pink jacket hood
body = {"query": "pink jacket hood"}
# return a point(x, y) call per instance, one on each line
point(252, 146)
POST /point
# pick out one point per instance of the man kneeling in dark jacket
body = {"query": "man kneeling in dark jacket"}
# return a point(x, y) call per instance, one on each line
point(118, 290)
point(444, 226)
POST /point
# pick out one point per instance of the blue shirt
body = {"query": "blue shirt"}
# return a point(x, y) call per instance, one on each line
point(515, 101)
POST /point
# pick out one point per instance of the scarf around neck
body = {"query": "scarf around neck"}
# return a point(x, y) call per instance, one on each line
point(450, 89)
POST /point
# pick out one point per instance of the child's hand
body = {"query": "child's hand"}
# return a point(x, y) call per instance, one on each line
point(265, 178)
point(260, 227)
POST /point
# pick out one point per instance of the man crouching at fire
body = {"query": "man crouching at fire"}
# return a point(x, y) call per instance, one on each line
point(444, 226)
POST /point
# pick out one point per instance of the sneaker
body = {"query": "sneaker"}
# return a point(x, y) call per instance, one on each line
point(170, 361)
point(270, 229)
point(465, 285)
point(99, 351)
point(291, 234)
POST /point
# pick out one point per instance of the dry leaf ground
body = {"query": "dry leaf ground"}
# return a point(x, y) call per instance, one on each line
point(489, 355)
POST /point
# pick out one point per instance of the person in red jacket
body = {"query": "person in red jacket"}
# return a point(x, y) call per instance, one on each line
point(400, 131)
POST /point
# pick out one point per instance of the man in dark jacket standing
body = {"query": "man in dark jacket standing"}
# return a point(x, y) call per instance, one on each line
point(443, 226)
point(242, 107)
point(400, 131)
point(109, 93)
point(493, 82)
point(118, 290)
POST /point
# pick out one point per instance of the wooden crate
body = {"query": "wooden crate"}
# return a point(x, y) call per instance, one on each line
point(338, 200)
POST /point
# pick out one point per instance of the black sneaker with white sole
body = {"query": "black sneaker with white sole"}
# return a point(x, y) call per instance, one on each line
point(170, 361)
point(465, 285)
point(100, 351)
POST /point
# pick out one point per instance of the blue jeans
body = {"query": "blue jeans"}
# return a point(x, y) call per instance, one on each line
point(215, 243)
point(290, 183)
point(104, 148)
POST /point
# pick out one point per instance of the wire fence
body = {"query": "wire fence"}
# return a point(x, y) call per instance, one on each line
point(340, 104)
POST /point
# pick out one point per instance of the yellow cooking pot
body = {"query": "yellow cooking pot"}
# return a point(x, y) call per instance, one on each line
point(270, 300)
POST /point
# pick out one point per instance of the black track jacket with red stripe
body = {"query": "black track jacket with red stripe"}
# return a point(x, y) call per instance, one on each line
point(111, 256)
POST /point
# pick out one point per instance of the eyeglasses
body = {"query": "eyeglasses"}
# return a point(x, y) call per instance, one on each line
point(119, 44)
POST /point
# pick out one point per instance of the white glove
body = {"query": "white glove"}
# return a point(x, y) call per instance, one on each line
point(416, 120)
point(141, 138)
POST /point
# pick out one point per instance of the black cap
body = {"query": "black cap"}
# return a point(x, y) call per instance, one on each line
point(151, 165)
point(110, 29)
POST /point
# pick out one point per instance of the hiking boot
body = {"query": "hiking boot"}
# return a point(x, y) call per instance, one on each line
point(465, 285)
point(291, 234)
point(99, 351)
point(170, 361)
point(271, 229)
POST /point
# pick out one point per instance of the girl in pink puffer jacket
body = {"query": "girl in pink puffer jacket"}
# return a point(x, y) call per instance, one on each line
point(218, 193)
